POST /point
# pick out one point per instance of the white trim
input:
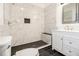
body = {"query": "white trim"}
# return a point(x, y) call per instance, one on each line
point(43, 46)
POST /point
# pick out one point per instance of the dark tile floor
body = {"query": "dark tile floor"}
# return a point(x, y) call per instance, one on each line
point(29, 45)
point(47, 51)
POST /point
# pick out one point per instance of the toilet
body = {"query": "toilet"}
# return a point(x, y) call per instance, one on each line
point(28, 52)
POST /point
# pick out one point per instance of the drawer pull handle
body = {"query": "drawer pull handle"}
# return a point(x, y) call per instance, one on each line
point(8, 46)
point(70, 42)
point(61, 38)
point(70, 51)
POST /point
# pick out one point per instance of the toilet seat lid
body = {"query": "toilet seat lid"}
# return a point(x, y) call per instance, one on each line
point(27, 52)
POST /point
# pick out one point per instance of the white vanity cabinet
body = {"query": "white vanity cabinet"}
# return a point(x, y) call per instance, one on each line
point(71, 45)
point(66, 43)
point(57, 41)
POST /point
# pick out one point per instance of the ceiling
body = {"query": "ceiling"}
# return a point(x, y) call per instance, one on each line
point(42, 5)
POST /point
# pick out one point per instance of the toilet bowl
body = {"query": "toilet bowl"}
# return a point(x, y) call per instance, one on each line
point(28, 52)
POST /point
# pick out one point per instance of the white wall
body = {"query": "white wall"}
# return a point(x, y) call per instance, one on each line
point(50, 18)
point(3, 27)
point(1, 14)
point(25, 33)
point(60, 26)
point(7, 12)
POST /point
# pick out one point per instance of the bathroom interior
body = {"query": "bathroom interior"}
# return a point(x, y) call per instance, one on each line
point(39, 29)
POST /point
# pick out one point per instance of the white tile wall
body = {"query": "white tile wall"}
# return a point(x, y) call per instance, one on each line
point(25, 33)
point(1, 14)
point(50, 18)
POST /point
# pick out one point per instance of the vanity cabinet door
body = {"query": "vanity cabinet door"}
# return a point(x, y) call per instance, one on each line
point(57, 42)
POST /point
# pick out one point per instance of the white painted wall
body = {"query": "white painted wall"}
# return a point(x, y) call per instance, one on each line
point(1, 14)
point(3, 27)
point(7, 12)
point(50, 18)
point(60, 26)
point(25, 33)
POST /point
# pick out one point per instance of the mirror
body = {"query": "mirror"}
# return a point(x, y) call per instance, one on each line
point(70, 13)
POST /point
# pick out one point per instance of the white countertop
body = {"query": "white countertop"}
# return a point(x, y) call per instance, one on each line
point(66, 31)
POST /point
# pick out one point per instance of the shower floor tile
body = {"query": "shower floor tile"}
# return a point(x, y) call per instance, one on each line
point(29, 45)
point(47, 51)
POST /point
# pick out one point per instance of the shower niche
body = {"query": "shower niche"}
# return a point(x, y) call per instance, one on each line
point(27, 20)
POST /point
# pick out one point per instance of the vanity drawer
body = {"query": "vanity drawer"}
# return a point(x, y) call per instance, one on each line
point(74, 42)
point(70, 51)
